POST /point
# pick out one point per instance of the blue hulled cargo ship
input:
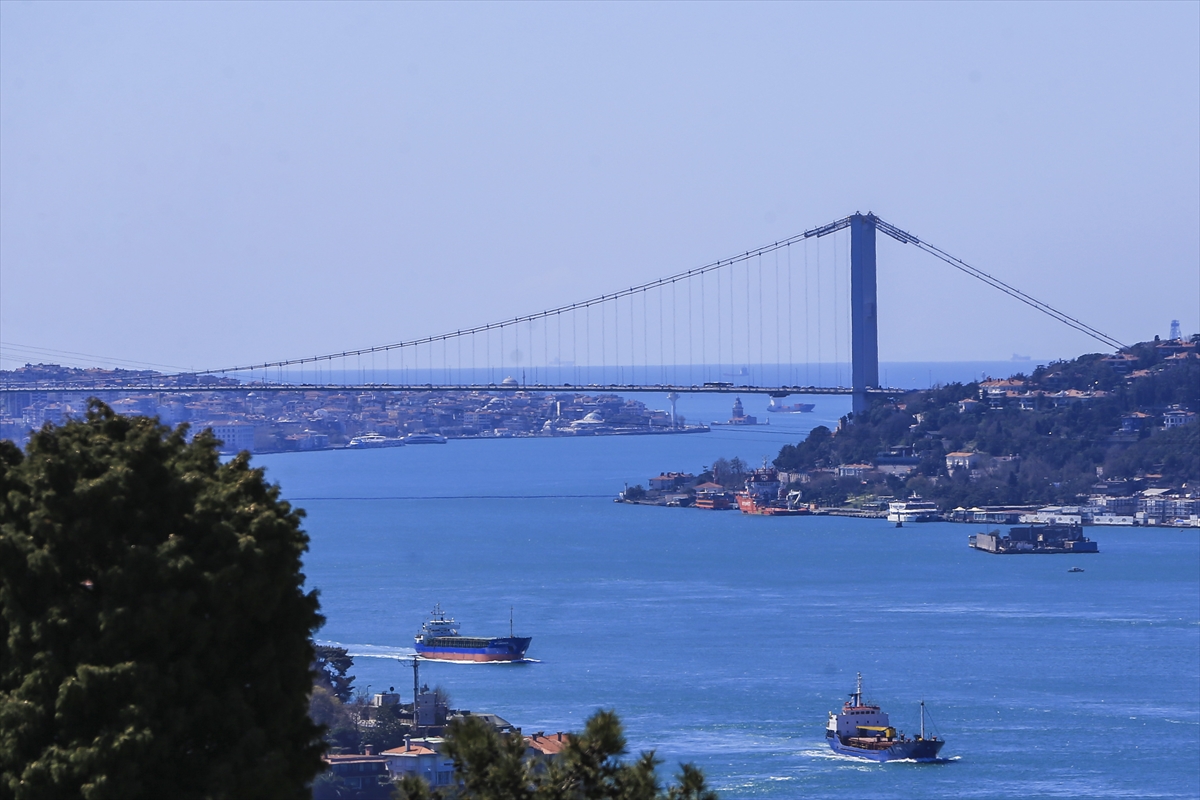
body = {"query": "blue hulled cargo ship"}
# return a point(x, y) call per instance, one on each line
point(861, 729)
point(438, 640)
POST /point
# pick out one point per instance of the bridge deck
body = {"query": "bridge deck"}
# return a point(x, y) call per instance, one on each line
point(591, 388)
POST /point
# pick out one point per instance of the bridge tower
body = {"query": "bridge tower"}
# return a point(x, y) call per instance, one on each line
point(864, 321)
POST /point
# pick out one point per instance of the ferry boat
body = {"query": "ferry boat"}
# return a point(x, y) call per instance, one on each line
point(424, 438)
point(861, 729)
point(914, 509)
point(711, 499)
point(373, 439)
point(794, 408)
point(439, 640)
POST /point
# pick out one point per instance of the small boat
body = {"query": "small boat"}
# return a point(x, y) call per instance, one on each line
point(861, 729)
point(438, 640)
point(424, 438)
point(1075, 569)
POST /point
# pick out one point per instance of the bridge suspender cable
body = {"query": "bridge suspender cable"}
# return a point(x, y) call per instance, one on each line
point(813, 233)
point(823, 230)
point(907, 238)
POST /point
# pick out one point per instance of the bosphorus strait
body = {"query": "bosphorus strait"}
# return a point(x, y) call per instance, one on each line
point(725, 639)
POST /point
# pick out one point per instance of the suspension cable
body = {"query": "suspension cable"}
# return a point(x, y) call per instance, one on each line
point(907, 238)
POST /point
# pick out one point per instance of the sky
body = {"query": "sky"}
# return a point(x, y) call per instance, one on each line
point(198, 185)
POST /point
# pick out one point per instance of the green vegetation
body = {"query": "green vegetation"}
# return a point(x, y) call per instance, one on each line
point(495, 766)
point(1052, 454)
point(730, 473)
point(154, 630)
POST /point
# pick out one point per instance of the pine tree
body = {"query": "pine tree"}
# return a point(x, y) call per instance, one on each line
point(494, 766)
point(154, 629)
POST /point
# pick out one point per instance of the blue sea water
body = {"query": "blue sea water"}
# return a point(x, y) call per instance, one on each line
point(724, 639)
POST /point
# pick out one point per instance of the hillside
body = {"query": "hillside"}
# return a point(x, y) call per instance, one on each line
point(1042, 438)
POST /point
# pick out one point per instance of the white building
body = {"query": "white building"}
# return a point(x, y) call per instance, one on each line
point(235, 436)
point(421, 761)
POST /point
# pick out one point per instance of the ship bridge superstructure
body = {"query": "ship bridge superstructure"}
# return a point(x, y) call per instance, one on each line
point(857, 713)
point(437, 625)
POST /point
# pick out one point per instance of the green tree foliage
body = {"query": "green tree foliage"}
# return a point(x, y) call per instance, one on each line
point(493, 766)
point(388, 730)
point(331, 666)
point(154, 632)
point(1059, 448)
point(1174, 453)
point(339, 721)
point(730, 473)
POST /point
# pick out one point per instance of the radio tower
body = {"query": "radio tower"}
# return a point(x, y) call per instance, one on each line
point(1175, 334)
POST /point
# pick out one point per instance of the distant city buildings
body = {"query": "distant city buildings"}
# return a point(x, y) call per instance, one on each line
point(267, 420)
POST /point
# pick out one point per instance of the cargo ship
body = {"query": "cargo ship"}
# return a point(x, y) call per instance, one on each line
point(1033, 539)
point(861, 729)
point(438, 640)
point(794, 408)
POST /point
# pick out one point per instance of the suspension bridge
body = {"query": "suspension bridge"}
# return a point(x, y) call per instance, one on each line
point(796, 316)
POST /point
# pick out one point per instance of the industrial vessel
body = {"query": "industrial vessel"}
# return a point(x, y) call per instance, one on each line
point(761, 496)
point(439, 640)
point(1037, 538)
point(861, 729)
point(794, 408)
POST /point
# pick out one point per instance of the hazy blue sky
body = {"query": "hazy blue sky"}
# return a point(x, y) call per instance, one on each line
point(206, 184)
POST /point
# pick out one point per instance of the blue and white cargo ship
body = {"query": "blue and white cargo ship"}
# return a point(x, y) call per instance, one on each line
point(861, 729)
point(438, 640)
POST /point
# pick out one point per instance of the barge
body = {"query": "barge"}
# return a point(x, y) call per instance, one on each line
point(1034, 539)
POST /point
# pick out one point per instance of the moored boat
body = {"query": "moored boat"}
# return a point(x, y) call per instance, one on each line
point(1034, 539)
point(372, 439)
point(751, 504)
point(914, 509)
point(761, 496)
point(863, 730)
point(424, 438)
point(439, 640)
